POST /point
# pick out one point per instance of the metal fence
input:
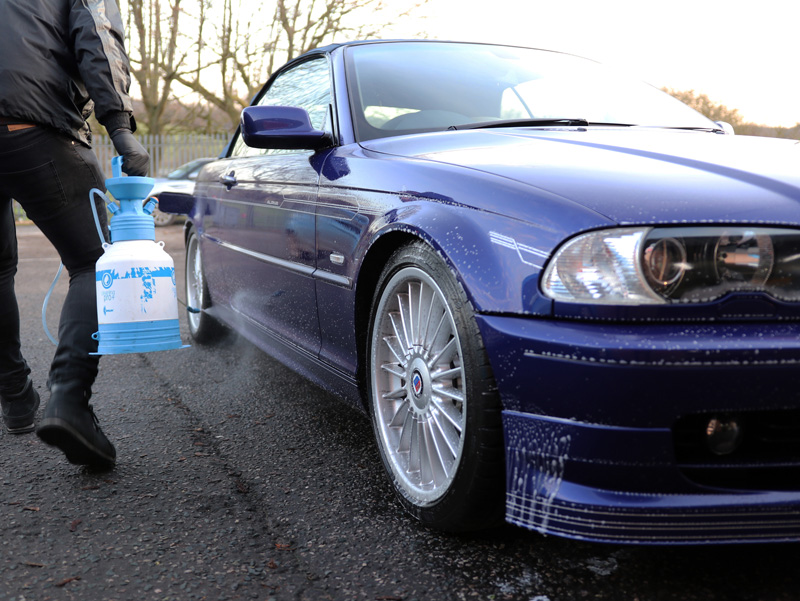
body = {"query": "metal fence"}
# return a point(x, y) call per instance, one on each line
point(166, 153)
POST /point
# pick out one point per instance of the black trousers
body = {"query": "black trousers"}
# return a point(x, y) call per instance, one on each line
point(51, 176)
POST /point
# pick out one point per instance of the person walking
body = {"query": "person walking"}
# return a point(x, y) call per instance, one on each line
point(59, 61)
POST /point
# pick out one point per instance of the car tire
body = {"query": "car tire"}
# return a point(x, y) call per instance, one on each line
point(203, 328)
point(434, 404)
point(163, 219)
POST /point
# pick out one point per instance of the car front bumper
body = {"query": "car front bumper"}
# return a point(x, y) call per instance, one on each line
point(605, 429)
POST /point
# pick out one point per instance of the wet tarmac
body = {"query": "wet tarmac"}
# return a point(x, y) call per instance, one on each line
point(236, 479)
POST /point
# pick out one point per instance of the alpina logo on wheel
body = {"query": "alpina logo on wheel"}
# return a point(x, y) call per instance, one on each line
point(416, 382)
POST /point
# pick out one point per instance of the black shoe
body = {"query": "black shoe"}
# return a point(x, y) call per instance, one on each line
point(69, 423)
point(19, 409)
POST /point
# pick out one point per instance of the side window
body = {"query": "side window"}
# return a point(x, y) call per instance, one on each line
point(306, 86)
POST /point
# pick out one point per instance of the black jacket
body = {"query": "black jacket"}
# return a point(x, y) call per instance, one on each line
point(57, 57)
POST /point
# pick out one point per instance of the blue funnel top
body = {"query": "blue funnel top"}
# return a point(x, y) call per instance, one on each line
point(131, 221)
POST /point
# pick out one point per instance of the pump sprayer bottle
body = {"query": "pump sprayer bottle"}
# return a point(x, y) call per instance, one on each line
point(137, 302)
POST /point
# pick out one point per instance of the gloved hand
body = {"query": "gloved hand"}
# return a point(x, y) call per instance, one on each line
point(135, 160)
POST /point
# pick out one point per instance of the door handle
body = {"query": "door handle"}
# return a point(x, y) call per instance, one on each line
point(228, 180)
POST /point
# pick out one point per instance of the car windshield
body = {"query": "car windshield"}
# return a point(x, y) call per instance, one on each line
point(407, 87)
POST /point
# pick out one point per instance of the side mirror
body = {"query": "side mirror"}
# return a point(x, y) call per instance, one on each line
point(176, 203)
point(284, 127)
point(726, 127)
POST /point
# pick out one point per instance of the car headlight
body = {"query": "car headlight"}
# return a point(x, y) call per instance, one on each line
point(639, 266)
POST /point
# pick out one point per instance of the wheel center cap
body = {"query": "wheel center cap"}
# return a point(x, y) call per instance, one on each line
point(419, 385)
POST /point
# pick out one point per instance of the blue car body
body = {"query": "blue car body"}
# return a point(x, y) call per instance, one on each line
point(605, 407)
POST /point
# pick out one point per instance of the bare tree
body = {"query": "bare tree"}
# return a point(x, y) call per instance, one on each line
point(223, 52)
point(153, 27)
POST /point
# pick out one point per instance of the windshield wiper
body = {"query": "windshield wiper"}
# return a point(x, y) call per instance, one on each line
point(564, 122)
point(605, 124)
point(715, 130)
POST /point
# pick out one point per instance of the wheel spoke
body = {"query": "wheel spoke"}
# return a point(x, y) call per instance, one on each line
point(450, 392)
point(395, 346)
point(421, 327)
point(431, 341)
point(398, 393)
point(445, 354)
point(426, 329)
point(448, 437)
point(400, 416)
point(394, 369)
point(448, 374)
point(426, 452)
point(436, 463)
point(450, 412)
point(402, 304)
point(404, 444)
point(415, 448)
point(412, 326)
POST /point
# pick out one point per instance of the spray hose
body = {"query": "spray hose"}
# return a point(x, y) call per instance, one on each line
point(46, 300)
point(92, 193)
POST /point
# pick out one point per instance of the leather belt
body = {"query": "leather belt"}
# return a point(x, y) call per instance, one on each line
point(12, 124)
point(16, 127)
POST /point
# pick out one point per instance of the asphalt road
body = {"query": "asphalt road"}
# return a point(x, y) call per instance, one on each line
point(236, 479)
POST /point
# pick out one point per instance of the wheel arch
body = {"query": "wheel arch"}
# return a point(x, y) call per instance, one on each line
point(433, 225)
point(368, 277)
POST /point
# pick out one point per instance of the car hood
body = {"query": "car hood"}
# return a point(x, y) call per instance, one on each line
point(630, 175)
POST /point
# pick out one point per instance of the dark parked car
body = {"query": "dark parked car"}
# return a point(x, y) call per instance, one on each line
point(563, 297)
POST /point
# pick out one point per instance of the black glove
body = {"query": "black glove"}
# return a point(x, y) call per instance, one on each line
point(135, 160)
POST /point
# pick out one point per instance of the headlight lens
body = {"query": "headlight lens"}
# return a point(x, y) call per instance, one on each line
point(744, 256)
point(664, 264)
point(636, 266)
point(602, 268)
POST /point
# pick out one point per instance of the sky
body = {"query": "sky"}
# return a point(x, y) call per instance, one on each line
point(740, 53)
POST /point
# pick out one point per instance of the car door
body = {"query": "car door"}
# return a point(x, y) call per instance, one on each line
point(259, 225)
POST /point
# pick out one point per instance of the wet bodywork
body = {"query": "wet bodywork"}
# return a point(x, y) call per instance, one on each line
point(605, 408)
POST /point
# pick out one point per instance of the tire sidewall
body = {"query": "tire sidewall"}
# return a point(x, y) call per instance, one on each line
point(204, 329)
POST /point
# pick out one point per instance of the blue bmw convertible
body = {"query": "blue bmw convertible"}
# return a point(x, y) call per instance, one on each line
point(563, 298)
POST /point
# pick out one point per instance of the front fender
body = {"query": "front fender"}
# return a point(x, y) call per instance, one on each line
point(498, 260)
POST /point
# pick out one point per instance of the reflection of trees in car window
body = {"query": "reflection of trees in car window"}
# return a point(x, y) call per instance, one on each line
point(305, 86)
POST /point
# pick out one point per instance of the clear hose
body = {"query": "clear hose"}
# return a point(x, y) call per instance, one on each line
point(92, 193)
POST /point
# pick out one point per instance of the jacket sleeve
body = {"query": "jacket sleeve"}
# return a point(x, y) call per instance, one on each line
point(97, 37)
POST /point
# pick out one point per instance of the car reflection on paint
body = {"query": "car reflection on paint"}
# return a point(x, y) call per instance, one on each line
point(563, 298)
